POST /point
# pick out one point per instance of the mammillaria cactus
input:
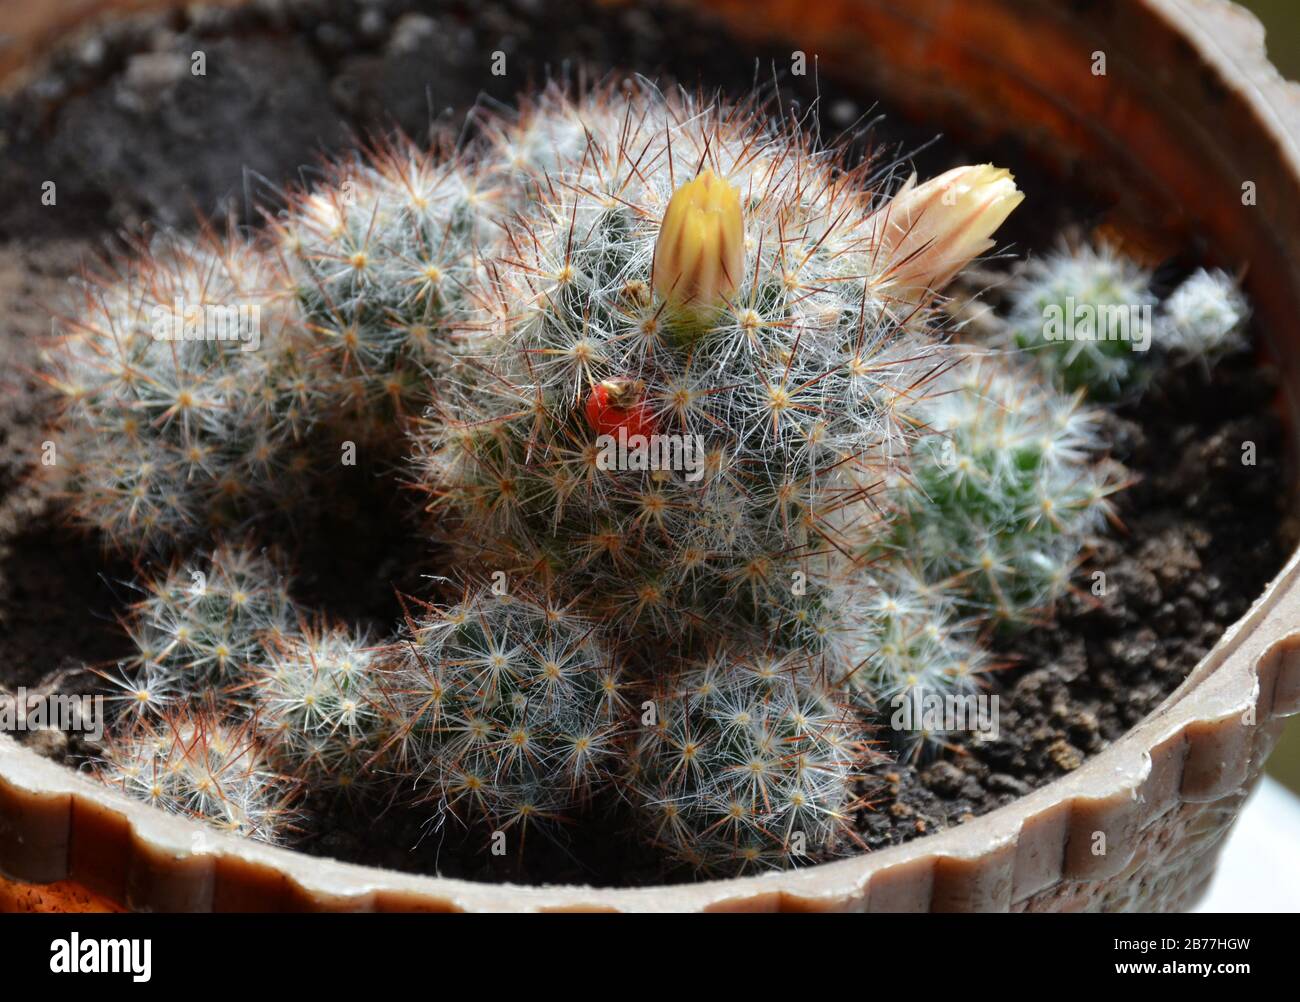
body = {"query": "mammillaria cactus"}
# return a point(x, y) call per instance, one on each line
point(183, 392)
point(1204, 317)
point(379, 254)
point(754, 334)
point(318, 704)
point(203, 624)
point(1003, 489)
point(508, 708)
point(747, 763)
point(689, 404)
point(193, 762)
point(1085, 314)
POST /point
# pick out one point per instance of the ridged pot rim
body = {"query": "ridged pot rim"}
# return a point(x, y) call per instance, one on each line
point(1196, 747)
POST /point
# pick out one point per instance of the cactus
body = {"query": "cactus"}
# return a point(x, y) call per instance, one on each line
point(319, 706)
point(182, 392)
point(684, 381)
point(1084, 314)
point(226, 630)
point(779, 383)
point(904, 632)
point(196, 764)
point(1003, 491)
point(193, 375)
point(379, 254)
point(747, 764)
point(507, 710)
point(907, 644)
point(201, 626)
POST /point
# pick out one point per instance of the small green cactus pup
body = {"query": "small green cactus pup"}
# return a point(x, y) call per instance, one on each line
point(745, 763)
point(1004, 490)
point(195, 764)
point(182, 393)
point(507, 711)
point(379, 254)
point(1205, 317)
point(202, 624)
point(319, 706)
point(1086, 315)
point(747, 351)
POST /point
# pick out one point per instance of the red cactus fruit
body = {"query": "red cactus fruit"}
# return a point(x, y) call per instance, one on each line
point(617, 404)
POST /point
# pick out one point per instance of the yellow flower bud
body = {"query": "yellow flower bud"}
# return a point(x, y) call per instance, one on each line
point(929, 232)
point(700, 253)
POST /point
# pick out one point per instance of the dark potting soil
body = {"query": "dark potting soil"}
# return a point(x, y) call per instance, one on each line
point(132, 139)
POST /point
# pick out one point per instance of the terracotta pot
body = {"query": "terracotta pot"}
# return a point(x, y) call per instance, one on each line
point(1189, 112)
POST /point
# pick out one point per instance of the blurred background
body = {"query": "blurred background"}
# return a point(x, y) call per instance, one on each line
point(1282, 19)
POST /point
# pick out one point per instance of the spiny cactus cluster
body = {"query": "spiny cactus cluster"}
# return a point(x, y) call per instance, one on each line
point(186, 740)
point(719, 490)
point(193, 376)
point(756, 330)
point(221, 634)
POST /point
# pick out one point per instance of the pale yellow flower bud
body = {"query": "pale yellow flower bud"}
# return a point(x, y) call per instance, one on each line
point(700, 253)
point(929, 232)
